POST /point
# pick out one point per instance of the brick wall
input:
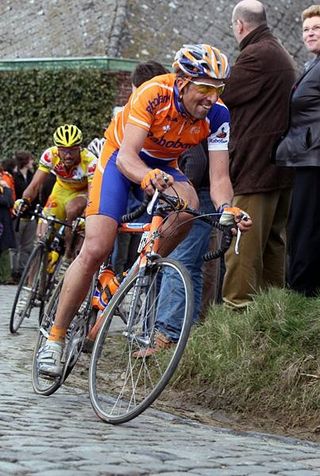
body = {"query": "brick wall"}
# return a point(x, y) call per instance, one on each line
point(123, 87)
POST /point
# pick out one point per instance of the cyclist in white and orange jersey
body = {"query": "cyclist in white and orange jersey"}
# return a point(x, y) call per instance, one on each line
point(73, 167)
point(164, 117)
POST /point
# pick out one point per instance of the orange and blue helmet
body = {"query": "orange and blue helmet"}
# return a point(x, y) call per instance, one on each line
point(201, 61)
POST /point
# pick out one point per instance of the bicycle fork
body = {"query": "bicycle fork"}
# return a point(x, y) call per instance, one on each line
point(140, 314)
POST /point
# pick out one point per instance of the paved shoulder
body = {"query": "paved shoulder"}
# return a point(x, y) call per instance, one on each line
point(60, 435)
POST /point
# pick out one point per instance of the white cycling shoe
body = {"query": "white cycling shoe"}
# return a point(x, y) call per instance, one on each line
point(49, 359)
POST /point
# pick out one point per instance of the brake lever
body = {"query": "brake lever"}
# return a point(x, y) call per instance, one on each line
point(236, 246)
point(245, 217)
point(152, 203)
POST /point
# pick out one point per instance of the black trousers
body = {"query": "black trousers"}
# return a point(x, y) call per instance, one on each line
point(304, 232)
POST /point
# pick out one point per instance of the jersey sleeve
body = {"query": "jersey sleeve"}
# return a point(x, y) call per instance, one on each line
point(46, 161)
point(219, 118)
point(146, 102)
point(91, 161)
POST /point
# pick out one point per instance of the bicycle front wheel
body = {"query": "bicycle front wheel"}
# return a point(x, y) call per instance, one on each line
point(125, 374)
point(28, 295)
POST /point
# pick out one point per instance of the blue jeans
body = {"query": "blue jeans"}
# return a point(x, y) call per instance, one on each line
point(189, 252)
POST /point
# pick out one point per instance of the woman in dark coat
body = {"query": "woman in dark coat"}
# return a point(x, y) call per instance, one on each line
point(300, 148)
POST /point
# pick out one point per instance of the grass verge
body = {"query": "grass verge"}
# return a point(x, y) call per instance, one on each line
point(264, 361)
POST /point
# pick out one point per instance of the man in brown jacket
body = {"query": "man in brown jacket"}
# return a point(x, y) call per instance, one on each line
point(257, 95)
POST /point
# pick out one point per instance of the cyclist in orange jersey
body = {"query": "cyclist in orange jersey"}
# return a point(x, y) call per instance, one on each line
point(164, 117)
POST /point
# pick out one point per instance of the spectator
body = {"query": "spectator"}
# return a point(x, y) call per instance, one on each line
point(27, 228)
point(8, 168)
point(195, 165)
point(257, 95)
point(7, 239)
point(300, 149)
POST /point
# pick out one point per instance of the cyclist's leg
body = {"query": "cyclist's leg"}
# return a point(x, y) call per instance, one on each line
point(178, 225)
point(54, 207)
point(74, 208)
point(108, 200)
point(98, 243)
point(100, 234)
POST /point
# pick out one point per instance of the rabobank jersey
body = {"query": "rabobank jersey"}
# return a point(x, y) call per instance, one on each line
point(78, 177)
point(155, 107)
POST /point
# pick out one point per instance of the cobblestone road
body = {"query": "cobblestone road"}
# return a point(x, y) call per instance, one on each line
point(61, 436)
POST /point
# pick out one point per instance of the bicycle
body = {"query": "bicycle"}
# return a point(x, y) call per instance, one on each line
point(76, 334)
point(40, 275)
point(125, 378)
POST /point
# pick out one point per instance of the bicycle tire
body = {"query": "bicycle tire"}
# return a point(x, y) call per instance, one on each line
point(41, 384)
point(121, 385)
point(28, 294)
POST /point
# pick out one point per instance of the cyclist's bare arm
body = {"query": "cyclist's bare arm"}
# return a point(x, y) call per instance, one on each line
point(130, 164)
point(33, 188)
point(221, 190)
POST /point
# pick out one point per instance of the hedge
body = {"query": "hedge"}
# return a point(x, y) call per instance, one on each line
point(34, 103)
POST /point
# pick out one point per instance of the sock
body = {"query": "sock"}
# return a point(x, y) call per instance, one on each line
point(57, 333)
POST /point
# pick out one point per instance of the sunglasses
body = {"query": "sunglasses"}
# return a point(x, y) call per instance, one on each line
point(207, 89)
point(70, 150)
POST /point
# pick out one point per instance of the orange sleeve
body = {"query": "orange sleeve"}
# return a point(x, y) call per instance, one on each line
point(141, 110)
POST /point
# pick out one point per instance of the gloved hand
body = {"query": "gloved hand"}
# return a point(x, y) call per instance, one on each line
point(233, 215)
point(156, 179)
point(21, 205)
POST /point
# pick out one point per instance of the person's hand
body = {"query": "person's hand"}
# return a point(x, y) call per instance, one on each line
point(20, 205)
point(235, 216)
point(156, 179)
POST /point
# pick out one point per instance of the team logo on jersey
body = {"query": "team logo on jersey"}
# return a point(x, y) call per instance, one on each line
point(195, 130)
point(221, 132)
point(173, 119)
point(221, 136)
point(166, 128)
point(160, 99)
point(168, 144)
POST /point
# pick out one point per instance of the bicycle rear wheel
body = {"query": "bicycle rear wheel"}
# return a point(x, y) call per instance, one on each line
point(29, 292)
point(123, 379)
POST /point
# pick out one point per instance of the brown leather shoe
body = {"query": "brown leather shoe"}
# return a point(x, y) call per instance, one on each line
point(161, 342)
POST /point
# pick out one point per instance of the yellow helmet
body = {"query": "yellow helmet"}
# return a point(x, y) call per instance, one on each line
point(67, 136)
